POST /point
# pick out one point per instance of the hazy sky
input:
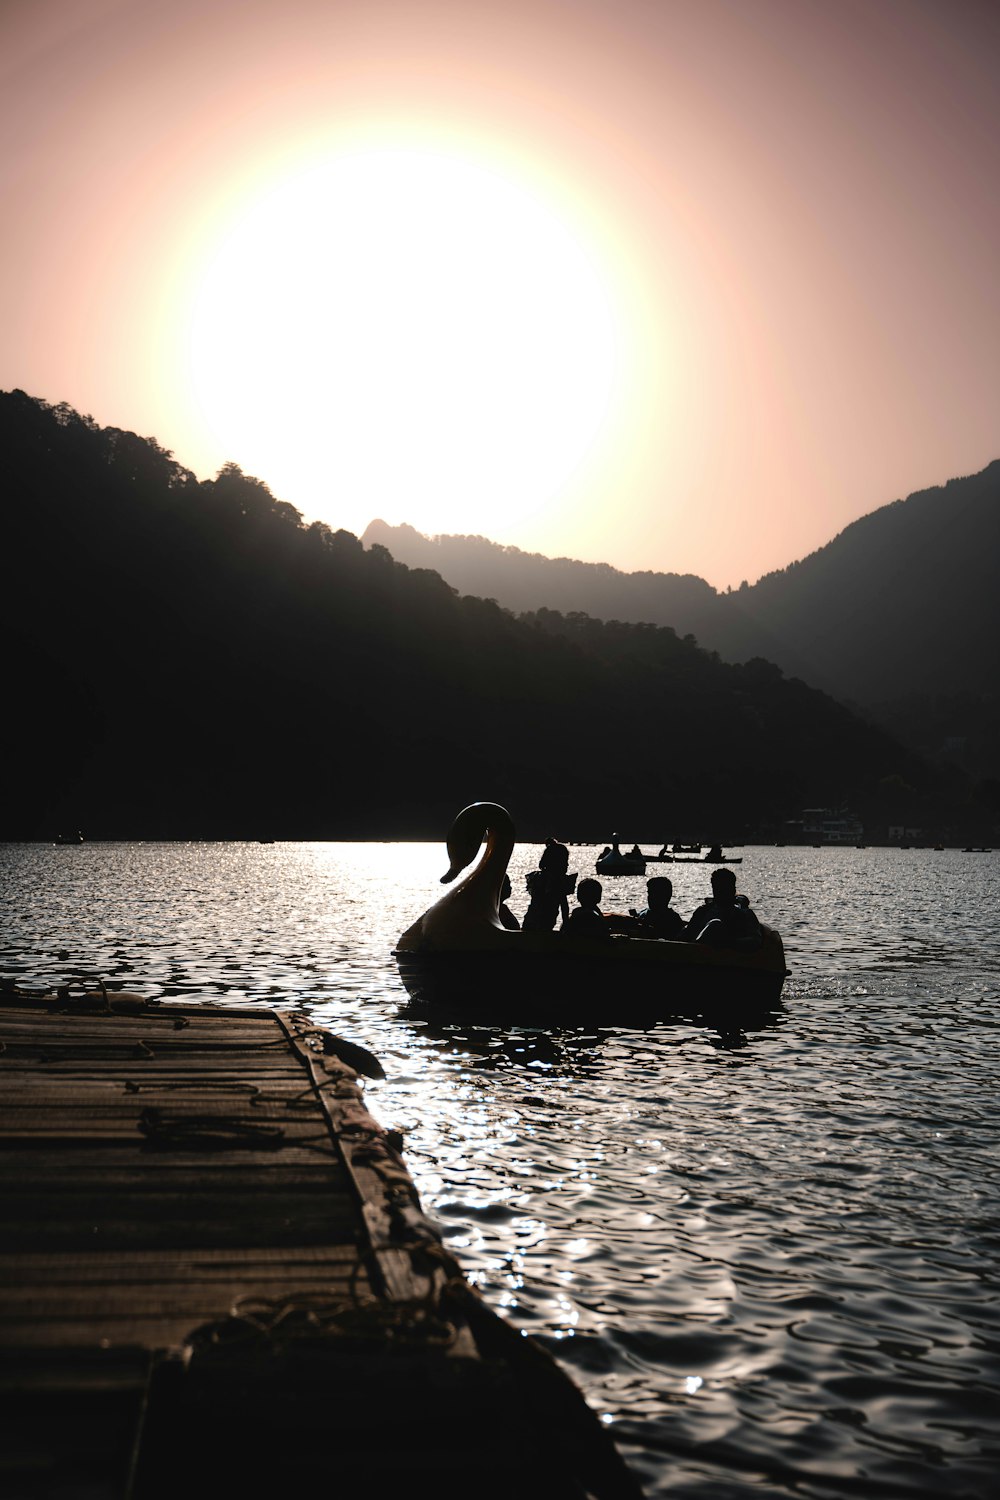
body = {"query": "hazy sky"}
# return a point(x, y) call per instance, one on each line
point(673, 284)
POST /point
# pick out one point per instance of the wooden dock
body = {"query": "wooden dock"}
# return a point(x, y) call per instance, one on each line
point(216, 1277)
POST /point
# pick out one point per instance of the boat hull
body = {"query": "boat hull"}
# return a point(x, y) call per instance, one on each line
point(622, 866)
point(563, 981)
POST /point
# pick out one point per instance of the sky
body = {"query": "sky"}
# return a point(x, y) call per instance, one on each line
point(684, 285)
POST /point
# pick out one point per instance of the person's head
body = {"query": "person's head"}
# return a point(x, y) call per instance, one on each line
point(589, 893)
point(724, 886)
point(658, 892)
point(555, 856)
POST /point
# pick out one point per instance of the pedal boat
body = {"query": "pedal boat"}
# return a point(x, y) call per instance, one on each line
point(458, 955)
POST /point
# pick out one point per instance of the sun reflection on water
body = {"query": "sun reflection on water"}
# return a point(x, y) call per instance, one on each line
point(785, 1246)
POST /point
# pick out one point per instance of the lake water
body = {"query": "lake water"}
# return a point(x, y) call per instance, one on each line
point(769, 1259)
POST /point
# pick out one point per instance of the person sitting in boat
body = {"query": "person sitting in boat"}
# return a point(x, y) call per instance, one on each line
point(586, 919)
point(725, 921)
point(548, 887)
point(635, 852)
point(504, 912)
point(714, 854)
point(658, 919)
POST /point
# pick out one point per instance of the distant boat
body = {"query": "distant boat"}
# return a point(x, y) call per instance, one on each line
point(68, 838)
point(613, 861)
point(620, 864)
point(713, 856)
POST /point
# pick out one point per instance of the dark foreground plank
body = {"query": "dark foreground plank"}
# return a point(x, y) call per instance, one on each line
point(216, 1279)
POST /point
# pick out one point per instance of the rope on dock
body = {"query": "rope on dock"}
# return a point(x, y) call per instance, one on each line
point(273, 1328)
point(206, 1133)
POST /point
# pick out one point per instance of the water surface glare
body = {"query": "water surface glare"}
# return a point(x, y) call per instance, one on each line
point(770, 1257)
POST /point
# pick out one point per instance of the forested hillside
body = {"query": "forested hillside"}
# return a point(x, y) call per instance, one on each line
point(523, 581)
point(898, 615)
point(186, 658)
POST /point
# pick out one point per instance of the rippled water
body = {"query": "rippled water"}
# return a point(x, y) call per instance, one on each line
point(770, 1259)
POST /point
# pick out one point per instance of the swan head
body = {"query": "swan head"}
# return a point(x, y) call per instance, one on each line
point(474, 823)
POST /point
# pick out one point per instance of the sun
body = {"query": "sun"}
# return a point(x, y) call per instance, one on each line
point(405, 332)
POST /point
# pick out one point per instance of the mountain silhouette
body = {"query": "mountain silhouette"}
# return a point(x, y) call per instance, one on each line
point(187, 658)
point(897, 616)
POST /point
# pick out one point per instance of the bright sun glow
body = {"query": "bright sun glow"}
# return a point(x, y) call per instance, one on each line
point(405, 333)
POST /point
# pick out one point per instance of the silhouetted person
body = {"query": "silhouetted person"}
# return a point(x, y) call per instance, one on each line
point(725, 921)
point(714, 854)
point(658, 919)
point(504, 912)
point(548, 887)
point(586, 918)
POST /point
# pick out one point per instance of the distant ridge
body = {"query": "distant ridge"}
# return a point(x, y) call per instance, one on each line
point(524, 581)
point(902, 605)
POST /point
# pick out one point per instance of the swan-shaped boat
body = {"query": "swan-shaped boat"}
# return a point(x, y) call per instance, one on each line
point(460, 955)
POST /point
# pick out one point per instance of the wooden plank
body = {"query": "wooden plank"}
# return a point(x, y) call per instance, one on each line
point(87, 1134)
point(42, 1006)
point(189, 1233)
point(161, 1089)
point(162, 1268)
point(38, 1217)
point(197, 1302)
point(128, 1105)
point(115, 1032)
point(110, 1063)
point(190, 1029)
point(137, 1093)
point(171, 1042)
point(127, 1108)
point(97, 1303)
point(216, 1172)
point(26, 1085)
